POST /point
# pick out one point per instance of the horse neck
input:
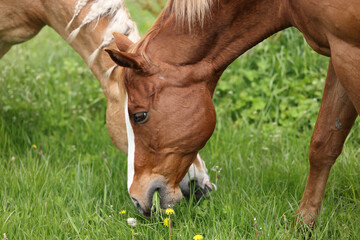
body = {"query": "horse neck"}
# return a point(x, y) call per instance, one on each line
point(90, 39)
point(254, 21)
point(232, 28)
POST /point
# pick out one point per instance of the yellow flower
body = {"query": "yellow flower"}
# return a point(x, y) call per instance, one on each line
point(169, 211)
point(198, 237)
point(34, 146)
point(122, 212)
point(166, 222)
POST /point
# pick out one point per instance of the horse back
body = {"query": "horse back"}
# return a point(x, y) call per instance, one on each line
point(19, 21)
point(322, 21)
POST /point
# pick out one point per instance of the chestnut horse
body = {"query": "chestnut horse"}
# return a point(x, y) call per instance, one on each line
point(88, 26)
point(172, 72)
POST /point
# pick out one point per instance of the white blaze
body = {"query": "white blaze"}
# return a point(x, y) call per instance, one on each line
point(131, 145)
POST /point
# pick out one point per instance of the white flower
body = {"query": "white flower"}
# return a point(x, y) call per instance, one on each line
point(216, 169)
point(131, 222)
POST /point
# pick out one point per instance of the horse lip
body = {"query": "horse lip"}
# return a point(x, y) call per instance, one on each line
point(200, 191)
point(139, 208)
point(145, 207)
point(137, 204)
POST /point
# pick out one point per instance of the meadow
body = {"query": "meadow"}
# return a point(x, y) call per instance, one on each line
point(62, 178)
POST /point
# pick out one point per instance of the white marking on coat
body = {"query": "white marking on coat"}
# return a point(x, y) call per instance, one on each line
point(131, 145)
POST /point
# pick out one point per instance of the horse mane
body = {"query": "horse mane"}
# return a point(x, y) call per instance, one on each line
point(120, 21)
point(188, 13)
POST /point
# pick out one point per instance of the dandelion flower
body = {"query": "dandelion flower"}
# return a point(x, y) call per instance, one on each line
point(131, 222)
point(166, 222)
point(198, 237)
point(169, 211)
point(122, 212)
point(34, 146)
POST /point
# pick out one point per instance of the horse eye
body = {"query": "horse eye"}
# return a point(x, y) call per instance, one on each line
point(140, 117)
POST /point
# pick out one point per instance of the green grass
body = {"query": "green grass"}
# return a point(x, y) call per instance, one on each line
point(73, 185)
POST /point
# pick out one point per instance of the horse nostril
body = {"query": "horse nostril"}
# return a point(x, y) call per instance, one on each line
point(198, 191)
point(139, 208)
point(137, 204)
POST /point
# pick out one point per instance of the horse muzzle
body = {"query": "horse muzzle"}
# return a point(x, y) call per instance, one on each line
point(143, 199)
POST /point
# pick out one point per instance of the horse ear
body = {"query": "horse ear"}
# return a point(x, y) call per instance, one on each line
point(122, 42)
point(124, 59)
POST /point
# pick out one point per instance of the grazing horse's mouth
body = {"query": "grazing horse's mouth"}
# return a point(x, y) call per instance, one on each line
point(168, 197)
point(139, 208)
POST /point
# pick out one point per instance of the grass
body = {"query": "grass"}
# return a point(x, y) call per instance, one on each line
point(73, 184)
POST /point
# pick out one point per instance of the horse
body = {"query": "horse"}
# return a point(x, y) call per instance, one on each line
point(171, 73)
point(88, 26)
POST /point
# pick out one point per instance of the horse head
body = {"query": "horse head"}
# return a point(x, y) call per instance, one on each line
point(170, 118)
